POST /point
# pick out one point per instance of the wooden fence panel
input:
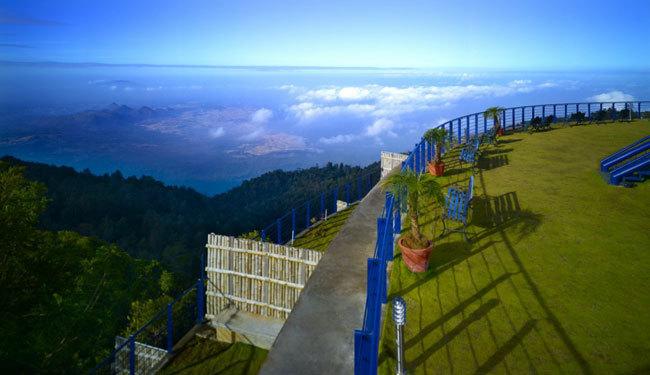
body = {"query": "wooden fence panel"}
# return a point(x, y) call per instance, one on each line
point(258, 277)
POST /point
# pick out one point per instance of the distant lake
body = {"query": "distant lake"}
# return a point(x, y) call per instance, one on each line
point(211, 128)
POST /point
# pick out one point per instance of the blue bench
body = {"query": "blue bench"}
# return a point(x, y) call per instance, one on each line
point(469, 153)
point(457, 205)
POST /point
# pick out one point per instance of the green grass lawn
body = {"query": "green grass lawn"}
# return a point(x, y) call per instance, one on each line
point(203, 356)
point(320, 235)
point(556, 278)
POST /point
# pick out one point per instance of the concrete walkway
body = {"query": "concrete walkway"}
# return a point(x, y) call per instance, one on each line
point(318, 337)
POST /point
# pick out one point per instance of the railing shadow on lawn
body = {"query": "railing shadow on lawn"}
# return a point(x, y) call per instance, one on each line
point(507, 210)
point(491, 215)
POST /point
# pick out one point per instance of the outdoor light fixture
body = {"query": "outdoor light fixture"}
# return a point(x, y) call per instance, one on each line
point(399, 317)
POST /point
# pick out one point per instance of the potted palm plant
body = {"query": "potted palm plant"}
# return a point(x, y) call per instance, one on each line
point(437, 137)
point(411, 189)
point(493, 113)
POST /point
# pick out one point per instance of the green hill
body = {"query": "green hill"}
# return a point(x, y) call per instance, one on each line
point(167, 223)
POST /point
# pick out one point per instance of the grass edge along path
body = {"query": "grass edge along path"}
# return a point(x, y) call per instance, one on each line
point(319, 236)
point(555, 278)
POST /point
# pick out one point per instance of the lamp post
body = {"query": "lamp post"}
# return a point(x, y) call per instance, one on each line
point(399, 317)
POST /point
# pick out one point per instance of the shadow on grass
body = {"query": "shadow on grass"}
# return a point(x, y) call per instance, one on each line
point(496, 161)
point(506, 348)
point(496, 213)
point(474, 316)
point(504, 209)
point(496, 150)
point(507, 141)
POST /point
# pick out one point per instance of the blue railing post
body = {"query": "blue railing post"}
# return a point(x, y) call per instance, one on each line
point(476, 124)
point(451, 131)
point(308, 215)
point(566, 114)
point(639, 109)
point(200, 300)
point(423, 156)
point(293, 224)
point(359, 193)
point(577, 107)
point(389, 243)
point(202, 265)
point(347, 194)
point(381, 225)
point(513, 119)
point(170, 327)
point(554, 113)
point(460, 140)
point(132, 355)
point(263, 236)
point(322, 205)
point(523, 115)
point(532, 116)
point(398, 218)
point(336, 198)
point(278, 224)
point(484, 124)
point(416, 160)
point(503, 113)
point(543, 113)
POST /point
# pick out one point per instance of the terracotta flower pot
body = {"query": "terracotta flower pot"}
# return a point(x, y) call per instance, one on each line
point(500, 132)
point(436, 169)
point(417, 260)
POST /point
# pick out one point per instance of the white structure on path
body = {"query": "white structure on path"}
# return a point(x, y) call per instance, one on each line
point(390, 160)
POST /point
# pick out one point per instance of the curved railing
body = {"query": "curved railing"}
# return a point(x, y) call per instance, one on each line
point(460, 130)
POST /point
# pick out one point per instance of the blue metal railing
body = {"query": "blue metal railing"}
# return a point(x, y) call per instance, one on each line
point(161, 332)
point(301, 217)
point(459, 130)
point(366, 340)
point(514, 118)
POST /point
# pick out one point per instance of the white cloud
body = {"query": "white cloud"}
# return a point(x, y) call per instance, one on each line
point(218, 132)
point(261, 116)
point(612, 96)
point(306, 111)
point(380, 126)
point(338, 139)
point(389, 101)
point(353, 93)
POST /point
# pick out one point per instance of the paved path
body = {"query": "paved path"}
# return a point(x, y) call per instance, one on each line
point(318, 337)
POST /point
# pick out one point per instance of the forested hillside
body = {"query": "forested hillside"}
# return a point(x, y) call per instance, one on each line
point(64, 296)
point(166, 223)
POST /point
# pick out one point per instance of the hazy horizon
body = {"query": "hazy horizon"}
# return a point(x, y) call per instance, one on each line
point(241, 88)
point(214, 127)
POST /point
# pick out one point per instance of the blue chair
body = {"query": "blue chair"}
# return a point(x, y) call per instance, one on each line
point(470, 153)
point(457, 204)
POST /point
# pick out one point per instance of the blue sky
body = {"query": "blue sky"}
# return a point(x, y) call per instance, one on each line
point(454, 34)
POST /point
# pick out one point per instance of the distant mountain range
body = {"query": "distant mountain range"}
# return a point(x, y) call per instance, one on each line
point(211, 149)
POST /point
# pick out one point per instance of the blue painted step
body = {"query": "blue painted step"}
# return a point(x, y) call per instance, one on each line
point(622, 156)
point(633, 179)
point(625, 153)
point(629, 168)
